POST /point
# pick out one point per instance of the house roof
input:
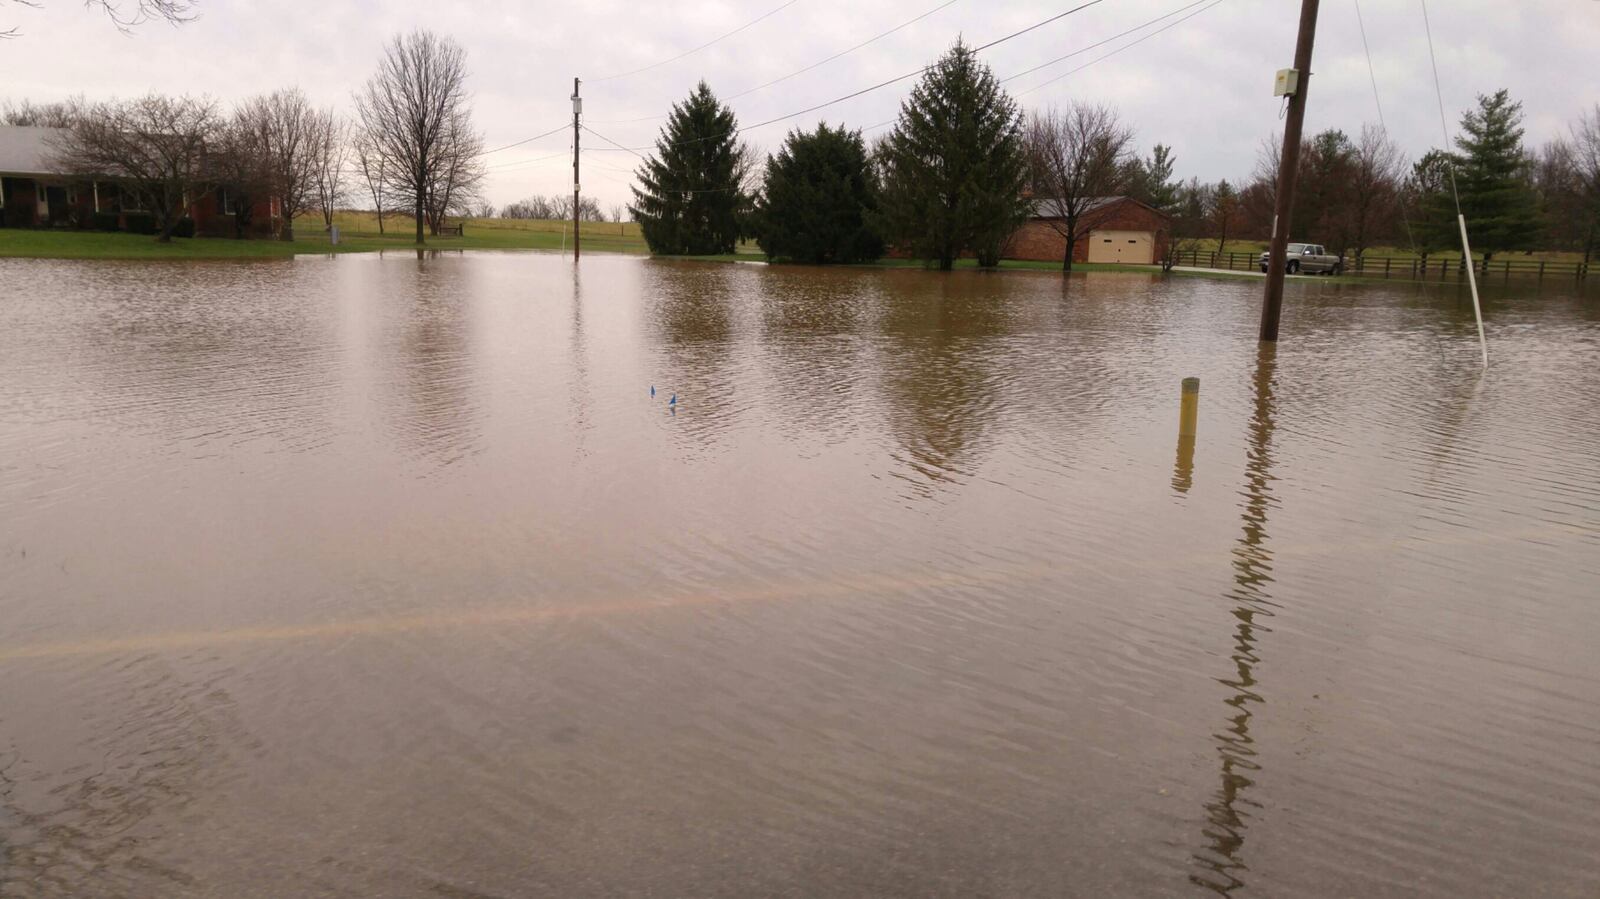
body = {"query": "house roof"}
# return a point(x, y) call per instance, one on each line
point(25, 149)
point(1050, 207)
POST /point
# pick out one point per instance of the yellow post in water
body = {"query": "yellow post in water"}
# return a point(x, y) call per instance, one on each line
point(1188, 421)
point(1189, 412)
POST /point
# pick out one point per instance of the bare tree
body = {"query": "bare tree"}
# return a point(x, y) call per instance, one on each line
point(483, 209)
point(1586, 166)
point(236, 167)
point(60, 114)
point(372, 168)
point(290, 132)
point(175, 12)
point(1373, 187)
point(618, 213)
point(1222, 203)
point(1191, 202)
point(333, 150)
point(155, 146)
point(459, 175)
point(409, 110)
point(1076, 158)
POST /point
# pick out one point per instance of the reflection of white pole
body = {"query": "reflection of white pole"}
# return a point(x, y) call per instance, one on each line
point(1472, 281)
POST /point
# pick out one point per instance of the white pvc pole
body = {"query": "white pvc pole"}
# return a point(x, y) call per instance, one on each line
point(1472, 281)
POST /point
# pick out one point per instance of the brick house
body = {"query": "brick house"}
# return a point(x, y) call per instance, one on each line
point(1111, 229)
point(33, 194)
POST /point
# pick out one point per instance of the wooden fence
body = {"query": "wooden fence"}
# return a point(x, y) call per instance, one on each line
point(1409, 267)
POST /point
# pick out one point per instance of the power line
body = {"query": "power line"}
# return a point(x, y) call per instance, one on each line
point(507, 166)
point(656, 65)
point(873, 39)
point(882, 84)
point(1444, 125)
point(822, 62)
point(1080, 50)
point(526, 140)
point(1129, 45)
point(1371, 71)
point(612, 142)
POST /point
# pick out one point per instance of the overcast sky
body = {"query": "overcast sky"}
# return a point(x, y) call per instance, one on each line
point(1203, 86)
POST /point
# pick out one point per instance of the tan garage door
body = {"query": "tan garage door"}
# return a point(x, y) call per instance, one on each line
point(1132, 247)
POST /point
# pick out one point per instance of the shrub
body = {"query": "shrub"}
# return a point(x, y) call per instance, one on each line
point(139, 222)
point(184, 228)
point(104, 221)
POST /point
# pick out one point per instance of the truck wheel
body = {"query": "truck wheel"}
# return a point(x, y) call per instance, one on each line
point(1263, 270)
point(1292, 267)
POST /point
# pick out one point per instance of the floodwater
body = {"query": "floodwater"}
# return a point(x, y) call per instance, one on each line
point(370, 576)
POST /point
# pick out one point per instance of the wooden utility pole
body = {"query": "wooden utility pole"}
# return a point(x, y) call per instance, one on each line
point(577, 186)
point(1288, 168)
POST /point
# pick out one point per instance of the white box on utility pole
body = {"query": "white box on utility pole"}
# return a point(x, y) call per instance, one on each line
point(1287, 84)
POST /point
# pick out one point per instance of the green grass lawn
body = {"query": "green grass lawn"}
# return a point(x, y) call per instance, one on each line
point(358, 234)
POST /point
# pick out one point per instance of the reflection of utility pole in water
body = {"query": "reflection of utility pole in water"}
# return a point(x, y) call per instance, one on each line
point(1222, 859)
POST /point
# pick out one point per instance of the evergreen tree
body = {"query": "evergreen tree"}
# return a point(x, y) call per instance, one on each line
point(1433, 216)
point(1492, 176)
point(1150, 180)
point(692, 199)
point(954, 168)
point(821, 195)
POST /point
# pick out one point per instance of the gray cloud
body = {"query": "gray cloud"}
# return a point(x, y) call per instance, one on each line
point(1203, 86)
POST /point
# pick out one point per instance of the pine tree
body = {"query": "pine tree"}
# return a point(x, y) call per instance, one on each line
point(1492, 176)
point(1150, 180)
point(821, 195)
point(692, 199)
point(954, 168)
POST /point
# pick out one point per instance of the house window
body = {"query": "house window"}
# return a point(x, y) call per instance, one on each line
point(223, 207)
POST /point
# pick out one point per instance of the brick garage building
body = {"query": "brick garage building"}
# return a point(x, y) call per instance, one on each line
point(1111, 229)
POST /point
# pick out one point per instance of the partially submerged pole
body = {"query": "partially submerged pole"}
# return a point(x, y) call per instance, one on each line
point(1289, 162)
point(1472, 282)
point(1188, 424)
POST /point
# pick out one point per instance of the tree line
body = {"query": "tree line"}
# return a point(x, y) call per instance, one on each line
point(411, 147)
point(1358, 193)
point(555, 207)
point(963, 167)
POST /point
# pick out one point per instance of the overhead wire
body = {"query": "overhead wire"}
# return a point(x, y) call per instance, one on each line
point(526, 140)
point(1438, 91)
point(1128, 46)
point(686, 53)
point(802, 71)
point(882, 84)
point(1101, 43)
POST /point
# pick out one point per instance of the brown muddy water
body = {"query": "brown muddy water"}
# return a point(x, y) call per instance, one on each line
point(388, 577)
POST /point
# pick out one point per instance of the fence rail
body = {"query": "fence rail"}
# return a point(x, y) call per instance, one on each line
point(1408, 267)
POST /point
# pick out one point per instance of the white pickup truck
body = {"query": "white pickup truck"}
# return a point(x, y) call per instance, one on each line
point(1310, 258)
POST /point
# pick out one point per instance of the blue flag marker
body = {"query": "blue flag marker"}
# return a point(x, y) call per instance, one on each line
point(652, 390)
point(673, 401)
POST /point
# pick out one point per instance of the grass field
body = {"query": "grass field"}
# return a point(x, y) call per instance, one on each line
point(1399, 252)
point(358, 234)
